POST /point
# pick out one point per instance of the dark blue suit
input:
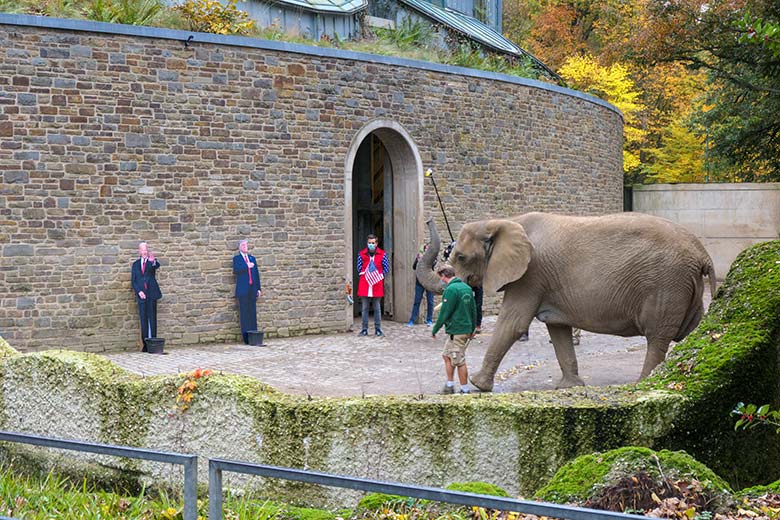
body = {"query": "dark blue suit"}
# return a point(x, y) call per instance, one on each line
point(145, 280)
point(246, 293)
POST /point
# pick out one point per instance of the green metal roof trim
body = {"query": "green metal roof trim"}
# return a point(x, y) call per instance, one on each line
point(326, 6)
point(476, 30)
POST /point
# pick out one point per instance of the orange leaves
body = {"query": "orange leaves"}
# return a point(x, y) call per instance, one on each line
point(189, 388)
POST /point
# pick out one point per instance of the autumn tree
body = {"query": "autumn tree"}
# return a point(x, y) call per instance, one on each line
point(743, 124)
point(679, 158)
point(613, 84)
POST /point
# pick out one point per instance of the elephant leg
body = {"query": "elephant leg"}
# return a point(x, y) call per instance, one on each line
point(564, 350)
point(656, 353)
point(514, 318)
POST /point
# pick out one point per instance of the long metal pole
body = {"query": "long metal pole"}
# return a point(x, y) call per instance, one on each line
point(429, 173)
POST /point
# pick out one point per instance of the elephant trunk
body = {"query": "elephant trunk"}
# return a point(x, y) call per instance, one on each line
point(424, 272)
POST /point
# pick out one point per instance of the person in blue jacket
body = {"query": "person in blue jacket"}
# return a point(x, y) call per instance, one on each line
point(248, 288)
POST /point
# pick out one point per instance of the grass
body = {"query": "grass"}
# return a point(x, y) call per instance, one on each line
point(29, 496)
point(413, 40)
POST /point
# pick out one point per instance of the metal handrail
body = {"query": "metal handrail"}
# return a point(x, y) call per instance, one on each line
point(217, 466)
point(190, 462)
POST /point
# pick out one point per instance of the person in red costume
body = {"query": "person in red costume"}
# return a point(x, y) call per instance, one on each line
point(372, 265)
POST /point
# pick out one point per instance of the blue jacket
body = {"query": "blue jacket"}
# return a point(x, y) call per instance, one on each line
point(146, 281)
point(242, 276)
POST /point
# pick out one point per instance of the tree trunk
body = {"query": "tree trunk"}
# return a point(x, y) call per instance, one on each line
point(424, 272)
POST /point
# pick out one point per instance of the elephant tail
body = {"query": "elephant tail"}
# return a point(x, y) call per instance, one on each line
point(708, 270)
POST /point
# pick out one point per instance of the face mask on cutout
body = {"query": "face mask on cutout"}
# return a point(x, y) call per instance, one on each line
point(371, 247)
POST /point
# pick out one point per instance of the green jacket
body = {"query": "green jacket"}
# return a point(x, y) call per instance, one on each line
point(458, 313)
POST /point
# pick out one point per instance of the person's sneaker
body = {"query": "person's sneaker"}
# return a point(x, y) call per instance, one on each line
point(410, 324)
point(462, 391)
point(448, 390)
point(478, 330)
point(429, 323)
point(379, 332)
point(523, 337)
point(363, 332)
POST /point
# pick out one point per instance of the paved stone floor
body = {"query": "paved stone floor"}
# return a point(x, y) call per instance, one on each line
point(406, 361)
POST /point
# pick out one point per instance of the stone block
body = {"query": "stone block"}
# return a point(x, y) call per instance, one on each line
point(25, 302)
point(80, 169)
point(166, 159)
point(27, 99)
point(16, 177)
point(18, 250)
point(27, 156)
point(58, 139)
point(137, 140)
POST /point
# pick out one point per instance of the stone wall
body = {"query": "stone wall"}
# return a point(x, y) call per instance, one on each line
point(110, 135)
point(726, 217)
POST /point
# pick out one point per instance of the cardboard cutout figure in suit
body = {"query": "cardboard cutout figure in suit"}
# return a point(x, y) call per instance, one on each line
point(147, 291)
point(247, 288)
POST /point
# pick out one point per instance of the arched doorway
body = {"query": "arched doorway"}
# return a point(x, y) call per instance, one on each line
point(383, 192)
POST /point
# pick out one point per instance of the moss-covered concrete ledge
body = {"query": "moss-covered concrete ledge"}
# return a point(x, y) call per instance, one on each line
point(513, 441)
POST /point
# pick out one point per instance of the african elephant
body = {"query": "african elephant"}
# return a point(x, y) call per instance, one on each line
point(424, 270)
point(625, 274)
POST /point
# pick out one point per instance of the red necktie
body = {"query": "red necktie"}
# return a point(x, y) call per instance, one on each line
point(143, 268)
point(249, 269)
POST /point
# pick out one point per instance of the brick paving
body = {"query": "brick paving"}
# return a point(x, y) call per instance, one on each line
point(405, 361)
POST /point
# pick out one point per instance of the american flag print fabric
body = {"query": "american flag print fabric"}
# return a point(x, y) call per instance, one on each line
point(373, 276)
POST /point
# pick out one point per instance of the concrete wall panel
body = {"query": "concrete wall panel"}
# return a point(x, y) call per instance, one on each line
point(727, 217)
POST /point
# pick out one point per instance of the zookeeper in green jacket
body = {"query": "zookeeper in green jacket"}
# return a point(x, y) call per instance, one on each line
point(458, 316)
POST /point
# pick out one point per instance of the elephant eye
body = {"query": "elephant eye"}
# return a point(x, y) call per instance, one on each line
point(460, 257)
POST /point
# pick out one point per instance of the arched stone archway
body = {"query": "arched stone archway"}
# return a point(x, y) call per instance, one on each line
point(400, 173)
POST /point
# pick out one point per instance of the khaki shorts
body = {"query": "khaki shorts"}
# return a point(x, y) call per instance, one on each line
point(455, 348)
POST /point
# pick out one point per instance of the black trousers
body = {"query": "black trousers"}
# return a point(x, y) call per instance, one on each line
point(247, 309)
point(147, 314)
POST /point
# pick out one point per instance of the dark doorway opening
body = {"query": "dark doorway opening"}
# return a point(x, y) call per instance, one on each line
point(372, 196)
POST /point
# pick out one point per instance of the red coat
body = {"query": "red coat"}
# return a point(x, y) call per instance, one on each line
point(379, 287)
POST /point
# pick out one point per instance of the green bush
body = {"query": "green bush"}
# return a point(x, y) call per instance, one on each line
point(583, 478)
point(411, 33)
point(128, 12)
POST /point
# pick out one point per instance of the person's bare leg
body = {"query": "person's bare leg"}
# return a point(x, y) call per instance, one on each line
point(463, 375)
point(449, 368)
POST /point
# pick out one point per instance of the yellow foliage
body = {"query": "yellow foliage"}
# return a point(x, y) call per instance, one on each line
point(680, 158)
point(612, 84)
point(215, 17)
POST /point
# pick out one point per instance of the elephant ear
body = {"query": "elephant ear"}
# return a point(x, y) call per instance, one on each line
point(507, 253)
